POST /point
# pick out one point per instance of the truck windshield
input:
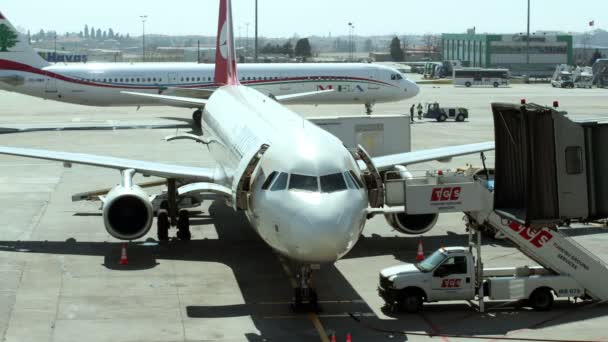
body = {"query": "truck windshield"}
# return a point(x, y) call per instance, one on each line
point(431, 262)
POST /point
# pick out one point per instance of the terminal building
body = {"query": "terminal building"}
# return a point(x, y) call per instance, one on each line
point(510, 51)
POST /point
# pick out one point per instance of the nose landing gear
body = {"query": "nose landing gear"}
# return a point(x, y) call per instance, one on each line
point(305, 296)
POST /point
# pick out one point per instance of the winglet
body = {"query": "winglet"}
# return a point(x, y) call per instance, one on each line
point(225, 55)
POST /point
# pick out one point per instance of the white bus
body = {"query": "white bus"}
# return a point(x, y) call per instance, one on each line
point(470, 77)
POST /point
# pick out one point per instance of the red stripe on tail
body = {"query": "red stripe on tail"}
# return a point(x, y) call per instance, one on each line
point(225, 55)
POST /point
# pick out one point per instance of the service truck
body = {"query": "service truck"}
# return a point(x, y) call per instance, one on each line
point(453, 273)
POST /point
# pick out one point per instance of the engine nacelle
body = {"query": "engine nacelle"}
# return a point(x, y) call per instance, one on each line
point(127, 212)
point(412, 224)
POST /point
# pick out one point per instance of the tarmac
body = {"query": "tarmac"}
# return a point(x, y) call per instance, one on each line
point(60, 278)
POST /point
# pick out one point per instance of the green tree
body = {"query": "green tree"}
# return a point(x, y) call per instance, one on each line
point(303, 48)
point(8, 38)
point(86, 31)
point(287, 49)
point(396, 51)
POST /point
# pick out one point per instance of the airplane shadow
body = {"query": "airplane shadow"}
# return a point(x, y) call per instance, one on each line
point(266, 290)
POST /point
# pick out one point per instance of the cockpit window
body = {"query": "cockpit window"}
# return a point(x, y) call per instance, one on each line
point(355, 179)
point(333, 183)
point(280, 183)
point(350, 182)
point(304, 183)
point(395, 77)
point(269, 180)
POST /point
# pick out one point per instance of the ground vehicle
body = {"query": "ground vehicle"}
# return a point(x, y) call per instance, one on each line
point(562, 77)
point(600, 73)
point(583, 77)
point(451, 274)
point(441, 114)
point(563, 80)
point(476, 77)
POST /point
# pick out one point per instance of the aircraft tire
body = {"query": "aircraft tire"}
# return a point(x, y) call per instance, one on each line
point(163, 224)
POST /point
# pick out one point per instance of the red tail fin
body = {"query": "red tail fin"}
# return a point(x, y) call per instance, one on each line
point(225, 55)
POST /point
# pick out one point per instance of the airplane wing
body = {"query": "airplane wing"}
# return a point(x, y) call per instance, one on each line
point(388, 162)
point(287, 98)
point(172, 100)
point(142, 167)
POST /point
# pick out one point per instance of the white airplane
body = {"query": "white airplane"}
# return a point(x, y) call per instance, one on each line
point(102, 84)
point(303, 192)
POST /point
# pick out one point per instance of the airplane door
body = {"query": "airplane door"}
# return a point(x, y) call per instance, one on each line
point(173, 78)
point(51, 86)
point(375, 76)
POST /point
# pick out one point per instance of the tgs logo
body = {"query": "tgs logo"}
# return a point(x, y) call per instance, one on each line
point(446, 194)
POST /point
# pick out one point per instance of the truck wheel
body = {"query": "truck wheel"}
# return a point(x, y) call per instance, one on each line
point(410, 303)
point(467, 84)
point(541, 299)
point(496, 84)
point(442, 118)
point(460, 118)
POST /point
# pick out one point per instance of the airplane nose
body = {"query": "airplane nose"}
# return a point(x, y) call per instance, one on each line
point(324, 235)
point(413, 89)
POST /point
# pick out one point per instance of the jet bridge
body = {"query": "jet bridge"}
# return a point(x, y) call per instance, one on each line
point(546, 175)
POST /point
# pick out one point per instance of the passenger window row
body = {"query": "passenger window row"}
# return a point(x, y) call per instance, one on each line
point(202, 79)
point(325, 184)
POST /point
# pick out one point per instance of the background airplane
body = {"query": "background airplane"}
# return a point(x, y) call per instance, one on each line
point(102, 84)
point(301, 189)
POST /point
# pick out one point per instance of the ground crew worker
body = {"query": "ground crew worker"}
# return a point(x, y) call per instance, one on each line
point(420, 111)
point(412, 112)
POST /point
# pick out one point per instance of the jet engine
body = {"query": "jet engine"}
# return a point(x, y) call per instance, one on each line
point(127, 211)
point(412, 224)
point(409, 224)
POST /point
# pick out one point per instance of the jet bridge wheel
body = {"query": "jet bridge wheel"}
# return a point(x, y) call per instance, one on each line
point(541, 299)
point(163, 225)
point(183, 226)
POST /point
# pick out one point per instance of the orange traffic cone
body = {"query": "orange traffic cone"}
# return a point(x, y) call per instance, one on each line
point(349, 338)
point(123, 255)
point(420, 255)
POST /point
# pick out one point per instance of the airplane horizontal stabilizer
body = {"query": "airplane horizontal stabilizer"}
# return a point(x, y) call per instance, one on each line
point(287, 98)
point(172, 100)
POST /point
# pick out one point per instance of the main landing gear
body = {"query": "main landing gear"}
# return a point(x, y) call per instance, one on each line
point(169, 216)
point(369, 108)
point(197, 116)
point(305, 296)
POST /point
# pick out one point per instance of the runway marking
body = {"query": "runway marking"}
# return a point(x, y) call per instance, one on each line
point(434, 328)
point(313, 317)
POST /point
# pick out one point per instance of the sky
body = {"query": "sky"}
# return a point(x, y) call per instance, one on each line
point(288, 18)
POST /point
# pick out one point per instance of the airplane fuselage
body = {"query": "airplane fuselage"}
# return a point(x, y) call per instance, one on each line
point(101, 84)
point(311, 210)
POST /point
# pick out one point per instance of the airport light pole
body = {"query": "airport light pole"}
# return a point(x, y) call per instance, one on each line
point(246, 39)
point(351, 32)
point(143, 37)
point(255, 54)
point(528, 38)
